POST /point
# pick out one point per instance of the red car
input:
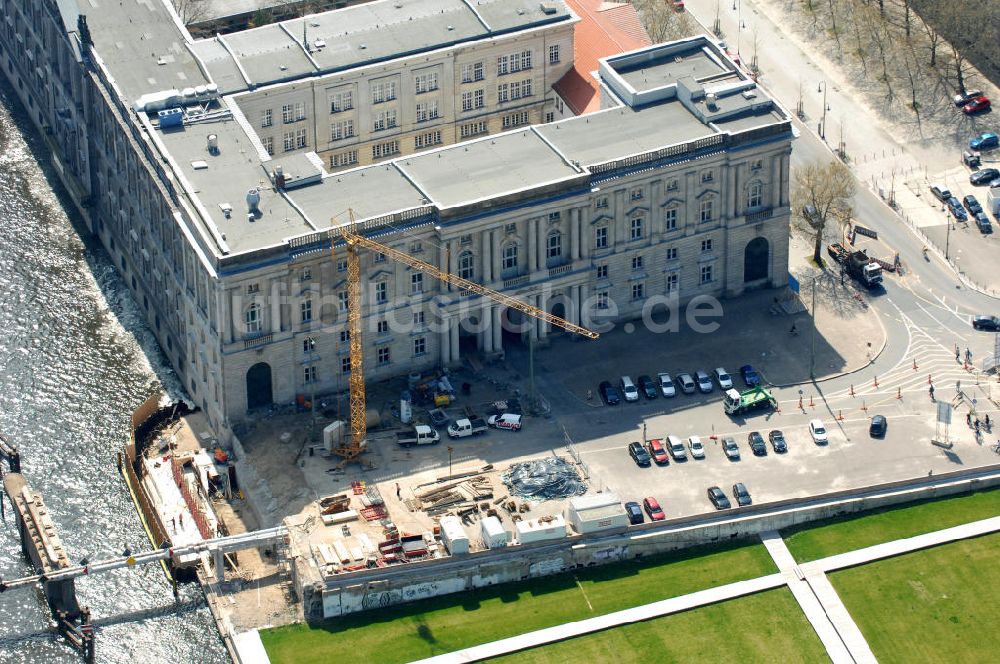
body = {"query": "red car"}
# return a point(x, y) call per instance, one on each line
point(977, 105)
point(658, 452)
point(653, 509)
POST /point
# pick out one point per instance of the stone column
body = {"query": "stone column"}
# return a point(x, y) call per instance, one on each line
point(485, 256)
point(541, 244)
point(497, 328)
point(495, 254)
point(454, 339)
point(220, 565)
point(585, 232)
point(444, 340)
point(574, 233)
point(486, 321)
point(783, 183)
point(532, 249)
point(230, 321)
point(573, 315)
point(275, 306)
point(542, 326)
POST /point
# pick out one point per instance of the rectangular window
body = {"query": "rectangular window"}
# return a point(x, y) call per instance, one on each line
point(515, 119)
point(670, 219)
point(554, 246)
point(379, 257)
point(706, 274)
point(554, 54)
point(503, 92)
point(383, 91)
point(293, 112)
point(384, 120)
point(554, 217)
point(253, 288)
point(341, 101)
point(419, 346)
point(503, 65)
point(473, 129)
point(472, 100)
point(638, 290)
point(514, 90)
point(549, 117)
point(416, 248)
point(427, 140)
point(342, 265)
point(384, 355)
point(602, 271)
point(345, 365)
point(268, 142)
point(427, 110)
point(306, 310)
point(672, 185)
point(602, 300)
point(381, 292)
point(508, 64)
point(288, 140)
point(416, 283)
point(509, 257)
point(266, 118)
point(602, 202)
point(383, 327)
point(755, 195)
point(341, 130)
point(344, 159)
point(306, 274)
point(309, 374)
point(756, 164)
point(673, 281)
point(636, 263)
point(385, 149)
point(418, 319)
point(345, 336)
point(707, 210)
point(671, 253)
point(308, 345)
point(601, 238)
point(706, 246)
point(342, 301)
point(425, 82)
point(472, 72)
point(707, 176)
point(300, 138)
point(636, 228)
point(636, 194)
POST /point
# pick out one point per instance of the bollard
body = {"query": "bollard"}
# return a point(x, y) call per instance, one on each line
point(876, 382)
point(914, 364)
point(852, 389)
point(811, 404)
point(840, 415)
point(864, 406)
point(899, 392)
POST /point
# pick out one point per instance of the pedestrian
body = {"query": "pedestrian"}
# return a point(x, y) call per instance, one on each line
point(180, 519)
point(987, 418)
point(968, 418)
point(173, 524)
point(399, 493)
point(976, 424)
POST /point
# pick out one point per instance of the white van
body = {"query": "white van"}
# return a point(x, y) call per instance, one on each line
point(629, 389)
point(508, 421)
point(676, 447)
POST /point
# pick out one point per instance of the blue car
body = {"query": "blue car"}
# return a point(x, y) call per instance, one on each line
point(985, 141)
point(750, 377)
point(957, 211)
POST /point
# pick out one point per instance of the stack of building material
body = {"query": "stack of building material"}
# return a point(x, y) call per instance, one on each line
point(336, 509)
point(456, 496)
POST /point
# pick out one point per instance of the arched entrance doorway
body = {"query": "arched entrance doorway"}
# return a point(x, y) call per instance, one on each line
point(558, 308)
point(259, 386)
point(756, 260)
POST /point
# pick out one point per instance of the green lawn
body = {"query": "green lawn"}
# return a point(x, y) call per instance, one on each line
point(755, 628)
point(443, 624)
point(935, 605)
point(826, 538)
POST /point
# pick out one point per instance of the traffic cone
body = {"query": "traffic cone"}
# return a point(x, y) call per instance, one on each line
point(840, 415)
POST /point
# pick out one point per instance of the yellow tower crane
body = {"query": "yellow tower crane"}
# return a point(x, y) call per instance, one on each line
point(350, 450)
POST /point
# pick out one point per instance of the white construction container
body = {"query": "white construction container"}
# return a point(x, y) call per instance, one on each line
point(494, 534)
point(453, 535)
point(592, 514)
point(539, 530)
point(333, 435)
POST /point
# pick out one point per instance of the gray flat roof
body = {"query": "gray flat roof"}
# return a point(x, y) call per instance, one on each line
point(658, 72)
point(361, 34)
point(370, 192)
point(486, 168)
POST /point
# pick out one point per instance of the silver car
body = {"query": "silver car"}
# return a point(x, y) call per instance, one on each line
point(686, 383)
point(704, 382)
point(666, 385)
point(731, 449)
point(723, 378)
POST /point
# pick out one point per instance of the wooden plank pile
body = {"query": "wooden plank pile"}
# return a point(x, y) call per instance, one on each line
point(456, 496)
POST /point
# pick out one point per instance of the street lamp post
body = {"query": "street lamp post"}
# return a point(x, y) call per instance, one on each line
point(822, 127)
point(947, 237)
point(311, 345)
point(812, 348)
point(450, 450)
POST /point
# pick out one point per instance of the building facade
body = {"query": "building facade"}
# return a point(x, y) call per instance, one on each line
point(679, 189)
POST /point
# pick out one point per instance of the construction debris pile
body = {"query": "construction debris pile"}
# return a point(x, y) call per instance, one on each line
point(460, 495)
point(544, 479)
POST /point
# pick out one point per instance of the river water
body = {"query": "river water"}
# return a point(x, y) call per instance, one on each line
point(75, 359)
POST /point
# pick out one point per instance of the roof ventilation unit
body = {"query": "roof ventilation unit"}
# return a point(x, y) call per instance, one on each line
point(710, 102)
point(253, 203)
point(213, 144)
point(171, 117)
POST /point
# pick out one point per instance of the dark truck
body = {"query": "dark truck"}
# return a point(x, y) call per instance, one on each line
point(858, 264)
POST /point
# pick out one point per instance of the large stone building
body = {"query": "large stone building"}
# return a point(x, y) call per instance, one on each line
point(678, 188)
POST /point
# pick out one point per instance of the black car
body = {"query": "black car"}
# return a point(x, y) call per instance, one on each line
point(983, 222)
point(878, 426)
point(741, 494)
point(648, 387)
point(634, 513)
point(609, 394)
point(718, 498)
point(756, 442)
point(778, 441)
point(986, 323)
point(971, 204)
point(639, 455)
point(984, 176)
point(956, 209)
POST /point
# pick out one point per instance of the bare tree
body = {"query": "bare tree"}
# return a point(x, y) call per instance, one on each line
point(192, 11)
point(823, 194)
point(662, 21)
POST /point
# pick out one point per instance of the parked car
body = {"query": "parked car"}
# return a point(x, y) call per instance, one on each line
point(634, 512)
point(718, 498)
point(609, 394)
point(686, 383)
point(983, 223)
point(697, 449)
point(983, 322)
point(658, 452)
point(971, 204)
point(676, 447)
point(741, 494)
point(704, 382)
point(977, 105)
point(956, 209)
point(818, 432)
point(778, 443)
point(941, 192)
point(629, 389)
point(648, 387)
point(653, 509)
point(756, 443)
point(723, 378)
point(983, 176)
point(639, 455)
point(508, 421)
point(666, 385)
point(878, 427)
point(971, 159)
point(731, 449)
point(985, 141)
point(963, 98)
point(750, 375)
